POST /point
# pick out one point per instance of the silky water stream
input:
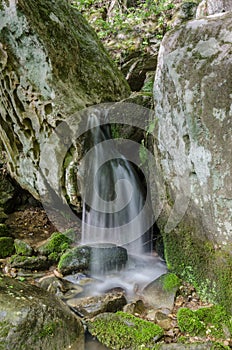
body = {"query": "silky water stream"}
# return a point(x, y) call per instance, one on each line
point(116, 213)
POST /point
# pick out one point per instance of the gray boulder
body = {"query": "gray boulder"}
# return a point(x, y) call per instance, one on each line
point(32, 318)
point(192, 92)
point(52, 64)
point(211, 7)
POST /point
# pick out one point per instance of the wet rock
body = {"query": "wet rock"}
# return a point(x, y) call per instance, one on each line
point(22, 248)
point(60, 287)
point(91, 306)
point(6, 247)
point(76, 259)
point(160, 293)
point(30, 262)
point(98, 258)
point(107, 257)
point(32, 318)
point(124, 331)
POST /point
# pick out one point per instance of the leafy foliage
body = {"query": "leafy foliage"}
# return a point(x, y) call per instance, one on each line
point(126, 26)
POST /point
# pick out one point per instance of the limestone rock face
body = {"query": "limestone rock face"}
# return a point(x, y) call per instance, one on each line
point(51, 64)
point(193, 99)
point(211, 7)
point(32, 318)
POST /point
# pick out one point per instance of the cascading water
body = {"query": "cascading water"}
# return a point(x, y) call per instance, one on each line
point(115, 212)
point(114, 206)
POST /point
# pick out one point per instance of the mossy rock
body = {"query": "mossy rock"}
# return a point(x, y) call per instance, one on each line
point(32, 318)
point(99, 258)
point(76, 259)
point(161, 292)
point(124, 331)
point(55, 246)
point(4, 230)
point(207, 269)
point(22, 248)
point(207, 320)
point(71, 234)
point(6, 247)
point(30, 262)
point(171, 282)
point(191, 346)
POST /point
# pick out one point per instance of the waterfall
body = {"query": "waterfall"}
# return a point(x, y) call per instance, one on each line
point(115, 209)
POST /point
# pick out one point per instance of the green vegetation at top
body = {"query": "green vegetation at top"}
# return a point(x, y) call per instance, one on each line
point(127, 25)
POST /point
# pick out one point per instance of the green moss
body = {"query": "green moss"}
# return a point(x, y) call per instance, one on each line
point(22, 248)
point(6, 246)
point(55, 246)
point(122, 331)
point(196, 261)
point(212, 321)
point(170, 282)
point(49, 329)
point(29, 262)
point(4, 230)
point(219, 346)
point(4, 329)
point(76, 259)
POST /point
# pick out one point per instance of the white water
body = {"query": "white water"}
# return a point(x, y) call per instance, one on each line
point(114, 205)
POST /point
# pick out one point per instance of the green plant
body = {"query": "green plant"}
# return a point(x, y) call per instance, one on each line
point(109, 19)
point(205, 321)
point(55, 246)
point(171, 281)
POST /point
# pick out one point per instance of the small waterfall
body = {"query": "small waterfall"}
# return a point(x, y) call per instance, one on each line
point(115, 209)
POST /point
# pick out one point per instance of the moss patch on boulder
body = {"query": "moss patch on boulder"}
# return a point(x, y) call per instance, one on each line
point(76, 259)
point(212, 321)
point(124, 331)
point(22, 248)
point(200, 263)
point(30, 262)
point(55, 246)
point(6, 247)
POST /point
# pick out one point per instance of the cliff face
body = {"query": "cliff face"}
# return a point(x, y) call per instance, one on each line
point(51, 64)
point(193, 105)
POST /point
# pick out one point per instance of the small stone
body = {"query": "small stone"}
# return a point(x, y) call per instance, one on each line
point(22, 248)
point(163, 320)
point(136, 307)
point(57, 274)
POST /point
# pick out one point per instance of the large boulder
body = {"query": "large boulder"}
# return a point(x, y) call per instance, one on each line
point(211, 7)
point(192, 93)
point(32, 318)
point(52, 64)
